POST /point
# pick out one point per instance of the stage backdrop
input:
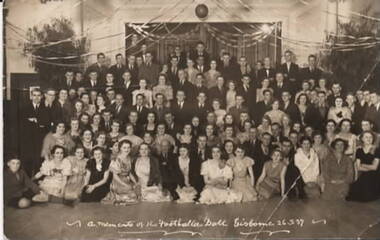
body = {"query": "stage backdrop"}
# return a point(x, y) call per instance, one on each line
point(254, 44)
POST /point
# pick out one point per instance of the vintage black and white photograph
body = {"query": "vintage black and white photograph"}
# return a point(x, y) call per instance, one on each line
point(191, 119)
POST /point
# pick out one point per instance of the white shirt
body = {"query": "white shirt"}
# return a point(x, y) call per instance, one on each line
point(308, 166)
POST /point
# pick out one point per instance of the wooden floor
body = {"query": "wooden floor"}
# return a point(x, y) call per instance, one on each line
point(302, 219)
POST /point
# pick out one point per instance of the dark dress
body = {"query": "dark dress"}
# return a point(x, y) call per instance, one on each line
point(366, 187)
point(100, 192)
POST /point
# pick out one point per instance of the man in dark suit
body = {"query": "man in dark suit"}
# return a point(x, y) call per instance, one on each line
point(252, 143)
point(289, 107)
point(118, 69)
point(173, 70)
point(199, 84)
point(267, 72)
point(149, 70)
point(248, 90)
point(68, 81)
point(48, 103)
point(200, 51)
point(132, 68)
point(279, 85)
point(262, 107)
point(291, 72)
point(119, 110)
point(62, 108)
point(141, 110)
point(197, 156)
point(184, 85)
point(127, 87)
point(201, 108)
point(312, 71)
point(133, 118)
point(35, 124)
point(181, 57)
point(168, 168)
point(181, 108)
point(262, 154)
point(93, 83)
point(244, 68)
point(201, 66)
point(172, 128)
point(159, 107)
point(228, 68)
point(99, 67)
point(239, 107)
point(218, 92)
point(106, 120)
point(373, 111)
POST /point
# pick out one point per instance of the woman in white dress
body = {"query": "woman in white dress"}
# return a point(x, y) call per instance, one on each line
point(275, 114)
point(217, 175)
point(220, 113)
point(185, 191)
point(148, 176)
point(339, 112)
point(230, 95)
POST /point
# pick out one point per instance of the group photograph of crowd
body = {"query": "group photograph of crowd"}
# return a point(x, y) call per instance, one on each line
point(195, 126)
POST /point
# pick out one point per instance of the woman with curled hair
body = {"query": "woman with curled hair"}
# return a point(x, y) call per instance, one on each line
point(337, 171)
point(148, 176)
point(272, 179)
point(122, 188)
point(56, 137)
point(366, 186)
point(97, 181)
point(55, 169)
point(217, 176)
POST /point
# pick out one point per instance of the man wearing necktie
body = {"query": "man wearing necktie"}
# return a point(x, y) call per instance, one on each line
point(118, 69)
point(311, 71)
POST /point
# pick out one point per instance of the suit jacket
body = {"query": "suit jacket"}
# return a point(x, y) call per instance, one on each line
point(201, 112)
point(181, 59)
point(292, 111)
point(127, 92)
point(160, 113)
point(134, 72)
point(195, 177)
point(173, 130)
point(62, 84)
point(205, 68)
point(62, 112)
point(182, 115)
point(307, 74)
point(101, 70)
point(187, 87)
point(122, 114)
point(99, 86)
point(262, 74)
point(220, 94)
point(277, 91)
point(258, 112)
point(172, 77)
point(117, 73)
point(249, 95)
point(235, 112)
point(260, 158)
point(373, 114)
point(292, 72)
point(230, 72)
point(194, 56)
point(168, 167)
point(149, 73)
point(141, 115)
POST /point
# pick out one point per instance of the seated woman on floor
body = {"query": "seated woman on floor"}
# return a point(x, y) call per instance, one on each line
point(55, 171)
point(337, 171)
point(243, 181)
point(272, 179)
point(123, 185)
point(77, 180)
point(306, 159)
point(18, 188)
point(98, 177)
point(217, 175)
point(148, 176)
point(185, 171)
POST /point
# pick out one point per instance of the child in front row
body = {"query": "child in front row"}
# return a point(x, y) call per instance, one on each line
point(18, 188)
